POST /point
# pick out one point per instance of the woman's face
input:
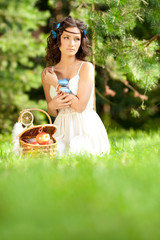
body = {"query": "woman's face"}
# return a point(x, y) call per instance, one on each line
point(70, 41)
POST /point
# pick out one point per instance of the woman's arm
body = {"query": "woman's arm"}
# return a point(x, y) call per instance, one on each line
point(49, 77)
point(85, 87)
point(46, 87)
point(59, 101)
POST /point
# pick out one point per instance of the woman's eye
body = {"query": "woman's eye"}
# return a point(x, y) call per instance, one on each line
point(77, 39)
point(65, 37)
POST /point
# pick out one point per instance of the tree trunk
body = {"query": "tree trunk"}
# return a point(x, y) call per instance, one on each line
point(93, 56)
point(59, 10)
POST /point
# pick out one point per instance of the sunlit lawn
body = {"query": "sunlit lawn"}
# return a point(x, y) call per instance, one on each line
point(83, 197)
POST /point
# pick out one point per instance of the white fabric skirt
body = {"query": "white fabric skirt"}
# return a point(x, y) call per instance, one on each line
point(81, 132)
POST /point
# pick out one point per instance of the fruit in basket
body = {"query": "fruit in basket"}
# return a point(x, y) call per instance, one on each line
point(34, 143)
point(51, 141)
point(43, 138)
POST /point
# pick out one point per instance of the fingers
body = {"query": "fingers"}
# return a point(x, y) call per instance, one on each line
point(51, 72)
point(65, 105)
point(57, 88)
point(63, 100)
point(65, 96)
point(50, 77)
point(61, 95)
point(69, 97)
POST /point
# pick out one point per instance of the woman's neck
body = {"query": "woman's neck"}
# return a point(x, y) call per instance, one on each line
point(67, 61)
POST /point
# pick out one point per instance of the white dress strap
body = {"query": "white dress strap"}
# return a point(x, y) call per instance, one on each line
point(52, 68)
point(80, 68)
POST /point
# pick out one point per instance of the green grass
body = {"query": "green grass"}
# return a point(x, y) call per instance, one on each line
point(83, 197)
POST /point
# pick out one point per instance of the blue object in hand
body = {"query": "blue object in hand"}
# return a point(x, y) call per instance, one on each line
point(63, 82)
point(65, 89)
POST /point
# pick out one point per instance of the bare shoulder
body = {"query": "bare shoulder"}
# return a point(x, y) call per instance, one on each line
point(44, 71)
point(88, 65)
point(87, 72)
point(87, 68)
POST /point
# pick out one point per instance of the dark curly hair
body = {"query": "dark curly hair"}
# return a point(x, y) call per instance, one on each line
point(53, 53)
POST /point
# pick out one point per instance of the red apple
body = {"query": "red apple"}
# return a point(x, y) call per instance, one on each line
point(43, 138)
point(34, 143)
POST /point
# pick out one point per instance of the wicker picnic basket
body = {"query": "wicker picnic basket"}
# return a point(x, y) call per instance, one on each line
point(26, 118)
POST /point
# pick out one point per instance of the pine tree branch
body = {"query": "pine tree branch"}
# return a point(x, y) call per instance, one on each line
point(134, 10)
point(126, 83)
point(103, 97)
point(139, 17)
point(156, 37)
point(145, 3)
point(84, 4)
point(80, 6)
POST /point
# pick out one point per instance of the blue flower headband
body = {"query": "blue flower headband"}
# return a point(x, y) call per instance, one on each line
point(85, 31)
point(54, 33)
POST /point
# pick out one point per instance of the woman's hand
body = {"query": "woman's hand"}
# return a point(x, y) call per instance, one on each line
point(50, 77)
point(61, 100)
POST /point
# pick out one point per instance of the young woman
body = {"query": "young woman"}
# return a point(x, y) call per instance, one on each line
point(79, 128)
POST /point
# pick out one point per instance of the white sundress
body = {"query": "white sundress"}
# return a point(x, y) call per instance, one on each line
point(80, 132)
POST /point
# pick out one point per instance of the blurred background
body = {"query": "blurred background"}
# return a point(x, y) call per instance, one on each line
point(125, 50)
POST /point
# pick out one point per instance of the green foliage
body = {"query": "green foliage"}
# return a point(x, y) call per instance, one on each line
point(111, 24)
point(120, 33)
point(152, 15)
point(118, 46)
point(21, 50)
point(75, 197)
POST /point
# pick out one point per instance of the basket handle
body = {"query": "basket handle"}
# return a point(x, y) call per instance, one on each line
point(35, 109)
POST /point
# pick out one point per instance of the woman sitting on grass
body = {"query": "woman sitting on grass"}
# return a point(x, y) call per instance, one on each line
point(79, 128)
